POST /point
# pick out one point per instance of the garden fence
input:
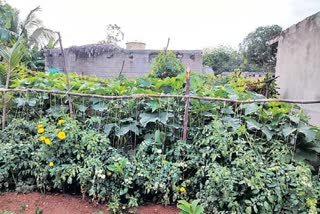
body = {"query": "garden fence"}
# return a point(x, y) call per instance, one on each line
point(186, 97)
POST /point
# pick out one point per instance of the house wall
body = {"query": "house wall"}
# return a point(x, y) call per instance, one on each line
point(108, 65)
point(298, 64)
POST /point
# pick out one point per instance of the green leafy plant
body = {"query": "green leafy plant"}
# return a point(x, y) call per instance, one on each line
point(166, 64)
point(190, 208)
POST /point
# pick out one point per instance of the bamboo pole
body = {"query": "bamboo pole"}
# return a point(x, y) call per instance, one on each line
point(5, 103)
point(67, 77)
point(186, 107)
point(137, 96)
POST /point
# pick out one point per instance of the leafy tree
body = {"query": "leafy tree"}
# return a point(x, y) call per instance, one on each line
point(114, 35)
point(255, 49)
point(221, 59)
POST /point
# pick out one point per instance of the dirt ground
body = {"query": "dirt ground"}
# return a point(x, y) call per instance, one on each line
point(64, 204)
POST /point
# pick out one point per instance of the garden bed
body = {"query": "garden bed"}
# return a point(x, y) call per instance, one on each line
point(62, 203)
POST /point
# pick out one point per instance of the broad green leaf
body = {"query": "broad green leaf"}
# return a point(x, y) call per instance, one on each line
point(100, 107)
point(267, 132)
point(32, 102)
point(124, 129)
point(308, 132)
point(288, 130)
point(153, 117)
point(21, 102)
point(109, 127)
point(232, 122)
point(81, 108)
point(154, 105)
point(253, 124)
point(250, 108)
point(227, 110)
point(294, 119)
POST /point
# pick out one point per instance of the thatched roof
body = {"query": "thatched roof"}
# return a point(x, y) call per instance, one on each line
point(88, 51)
point(92, 50)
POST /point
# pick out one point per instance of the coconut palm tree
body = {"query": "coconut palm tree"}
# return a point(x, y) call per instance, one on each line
point(31, 28)
point(12, 58)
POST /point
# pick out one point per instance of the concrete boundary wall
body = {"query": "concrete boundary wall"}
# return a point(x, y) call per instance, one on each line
point(106, 61)
point(298, 63)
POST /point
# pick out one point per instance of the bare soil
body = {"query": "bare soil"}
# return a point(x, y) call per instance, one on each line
point(65, 204)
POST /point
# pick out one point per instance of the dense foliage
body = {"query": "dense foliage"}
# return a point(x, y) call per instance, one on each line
point(30, 29)
point(221, 59)
point(255, 47)
point(8, 23)
point(248, 158)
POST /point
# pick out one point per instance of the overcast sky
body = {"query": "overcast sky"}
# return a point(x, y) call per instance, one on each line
point(191, 24)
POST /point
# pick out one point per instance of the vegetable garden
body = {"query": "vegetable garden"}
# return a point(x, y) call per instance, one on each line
point(241, 157)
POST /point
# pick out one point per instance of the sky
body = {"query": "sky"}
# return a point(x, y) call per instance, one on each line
point(190, 24)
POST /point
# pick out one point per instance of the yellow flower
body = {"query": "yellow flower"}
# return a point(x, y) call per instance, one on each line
point(39, 126)
point(61, 135)
point(42, 138)
point(60, 122)
point(182, 189)
point(40, 130)
point(51, 163)
point(47, 141)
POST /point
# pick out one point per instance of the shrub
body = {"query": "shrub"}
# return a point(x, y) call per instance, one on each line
point(166, 65)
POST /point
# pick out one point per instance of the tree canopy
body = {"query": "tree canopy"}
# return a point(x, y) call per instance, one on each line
point(221, 59)
point(114, 35)
point(255, 49)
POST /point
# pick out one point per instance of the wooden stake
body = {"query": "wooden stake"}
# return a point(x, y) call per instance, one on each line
point(67, 77)
point(186, 107)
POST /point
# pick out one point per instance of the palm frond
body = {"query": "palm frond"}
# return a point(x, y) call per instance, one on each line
point(41, 37)
point(31, 21)
point(12, 56)
point(17, 52)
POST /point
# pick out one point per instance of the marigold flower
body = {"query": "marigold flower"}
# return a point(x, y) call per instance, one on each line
point(40, 130)
point(60, 122)
point(51, 163)
point(182, 189)
point(61, 135)
point(39, 126)
point(47, 141)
